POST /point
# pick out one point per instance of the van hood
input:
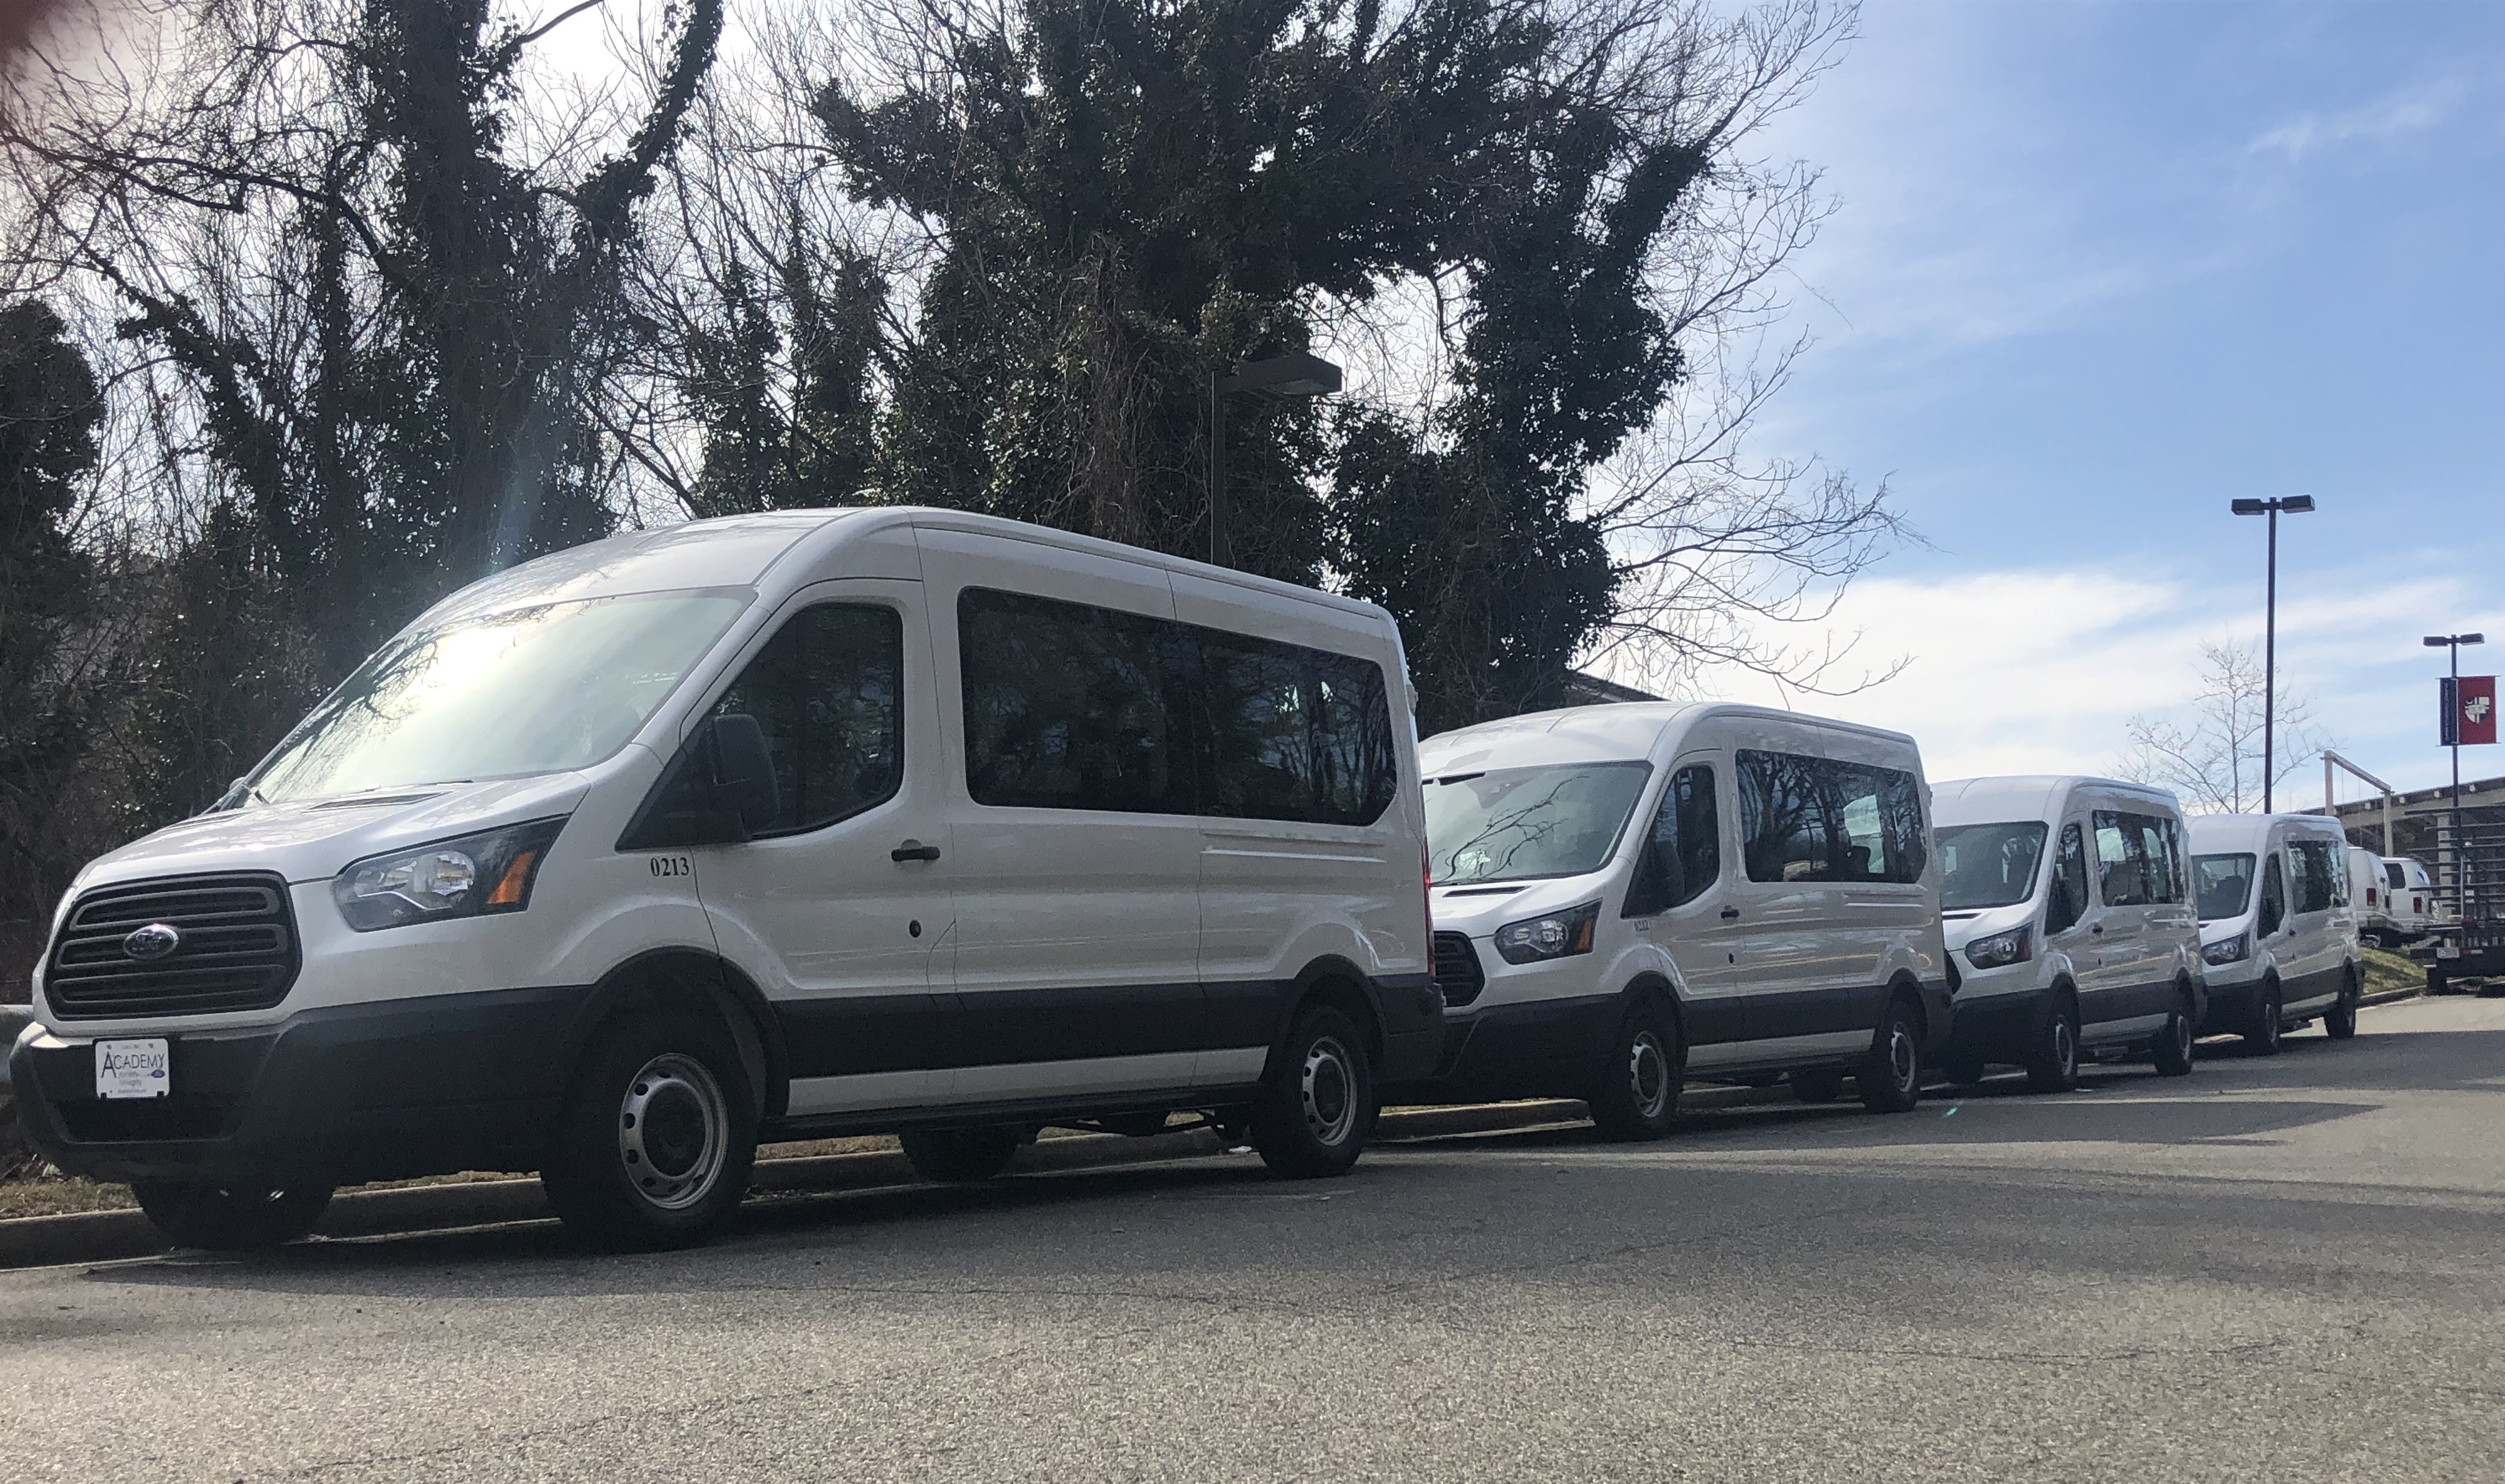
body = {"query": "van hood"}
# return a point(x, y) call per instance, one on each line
point(313, 839)
point(1479, 908)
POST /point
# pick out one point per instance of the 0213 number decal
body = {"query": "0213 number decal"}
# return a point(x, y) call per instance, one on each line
point(673, 866)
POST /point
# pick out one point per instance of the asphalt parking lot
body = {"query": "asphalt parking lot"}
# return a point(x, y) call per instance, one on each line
point(2284, 1269)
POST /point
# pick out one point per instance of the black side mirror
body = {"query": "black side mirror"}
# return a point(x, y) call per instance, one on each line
point(720, 790)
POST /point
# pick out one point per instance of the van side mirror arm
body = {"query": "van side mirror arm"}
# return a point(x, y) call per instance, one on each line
point(718, 790)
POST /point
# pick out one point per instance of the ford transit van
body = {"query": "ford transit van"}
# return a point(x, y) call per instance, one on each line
point(781, 826)
point(2278, 940)
point(1628, 896)
point(2069, 919)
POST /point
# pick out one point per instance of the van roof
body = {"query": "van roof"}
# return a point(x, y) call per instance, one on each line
point(2211, 833)
point(740, 550)
point(2030, 795)
point(1613, 731)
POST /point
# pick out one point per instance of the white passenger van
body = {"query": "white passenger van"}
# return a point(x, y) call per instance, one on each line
point(2069, 925)
point(2403, 904)
point(781, 826)
point(1628, 894)
point(2277, 941)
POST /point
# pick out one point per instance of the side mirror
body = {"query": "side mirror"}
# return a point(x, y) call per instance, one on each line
point(720, 790)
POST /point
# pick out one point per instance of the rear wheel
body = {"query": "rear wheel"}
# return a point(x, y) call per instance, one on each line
point(2339, 1022)
point(2260, 1037)
point(2053, 1061)
point(1891, 1073)
point(1313, 1116)
point(1636, 1093)
point(230, 1219)
point(657, 1137)
point(960, 1157)
point(2172, 1051)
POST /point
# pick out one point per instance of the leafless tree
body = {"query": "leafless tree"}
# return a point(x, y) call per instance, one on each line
point(2210, 754)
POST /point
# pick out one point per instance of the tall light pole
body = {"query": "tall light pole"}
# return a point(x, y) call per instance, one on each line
point(2294, 505)
point(2451, 644)
point(1297, 375)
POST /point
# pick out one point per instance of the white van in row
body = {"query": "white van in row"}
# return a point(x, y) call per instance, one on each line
point(2277, 941)
point(2393, 897)
point(781, 826)
point(1626, 896)
point(2070, 921)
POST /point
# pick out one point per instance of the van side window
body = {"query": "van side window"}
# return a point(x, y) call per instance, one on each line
point(2272, 910)
point(827, 691)
point(1291, 734)
point(1683, 854)
point(2394, 877)
point(2139, 859)
point(2067, 902)
point(1815, 819)
point(2313, 875)
point(1070, 706)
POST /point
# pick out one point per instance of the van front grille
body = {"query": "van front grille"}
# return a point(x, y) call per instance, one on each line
point(234, 949)
point(1457, 969)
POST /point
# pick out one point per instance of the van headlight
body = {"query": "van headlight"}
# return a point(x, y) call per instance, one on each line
point(1556, 936)
point(469, 876)
point(2227, 950)
point(2001, 950)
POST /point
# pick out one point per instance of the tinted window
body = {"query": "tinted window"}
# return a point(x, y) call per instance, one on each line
point(2222, 885)
point(1292, 733)
point(2313, 875)
point(2273, 904)
point(827, 691)
point(2393, 878)
point(1070, 706)
point(2138, 858)
point(1520, 824)
point(2067, 900)
point(1684, 855)
point(1814, 819)
point(1989, 865)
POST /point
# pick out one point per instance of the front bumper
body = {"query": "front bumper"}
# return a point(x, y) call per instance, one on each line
point(387, 1091)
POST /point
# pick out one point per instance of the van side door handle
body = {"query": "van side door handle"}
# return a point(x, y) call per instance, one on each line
point(914, 850)
point(1729, 913)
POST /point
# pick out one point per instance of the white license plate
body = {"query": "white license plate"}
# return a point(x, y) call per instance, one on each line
point(134, 1069)
point(2447, 951)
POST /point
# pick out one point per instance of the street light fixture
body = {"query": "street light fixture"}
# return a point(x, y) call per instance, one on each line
point(2452, 644)
point(2294, 505)
point(1276, 379)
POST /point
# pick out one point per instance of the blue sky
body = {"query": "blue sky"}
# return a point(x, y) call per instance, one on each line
point(2100, 268)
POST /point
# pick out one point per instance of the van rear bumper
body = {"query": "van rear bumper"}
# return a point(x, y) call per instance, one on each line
point(385, 1090)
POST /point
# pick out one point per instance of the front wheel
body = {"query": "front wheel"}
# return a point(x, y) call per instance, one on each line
point(1891, 1073)
point(230, 1219)
point(2260, 1037)
point(1636, 1095)
point(2053, 1061)
point(1314, 1113)
point(657, 1136)
point(2339, 1022)
point(2172, 1052)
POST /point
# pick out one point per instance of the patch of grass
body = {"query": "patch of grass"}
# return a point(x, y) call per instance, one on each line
point(60, 1195)
point(2390, 971)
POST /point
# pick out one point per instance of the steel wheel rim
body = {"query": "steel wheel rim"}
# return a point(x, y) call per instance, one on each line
point(1648, 1075)
point(673, 1132)
point(1903, 1062)
point(2065, 1046)
point(2183, 1036)
point(1328, 1088)
point(2271, 1018)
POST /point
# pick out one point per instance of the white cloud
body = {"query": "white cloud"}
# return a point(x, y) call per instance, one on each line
point(2420, 106)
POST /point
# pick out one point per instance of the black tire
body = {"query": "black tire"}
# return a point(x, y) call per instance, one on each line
point(2339, 1022)
point(1636, 1093)
point(2261, 1033)
point(1891, 1073)
point(1314, 1110)
point(659, 1134)
point(1824, 1084)
point(230, 1219)
point(2172, 1051)
point(960, 1157)
point(2436, 982)
point(2053, 1057)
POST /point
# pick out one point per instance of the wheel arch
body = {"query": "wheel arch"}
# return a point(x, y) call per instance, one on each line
point(1333, 980)
point(692, 978)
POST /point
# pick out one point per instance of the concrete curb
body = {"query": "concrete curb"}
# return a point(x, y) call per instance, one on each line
point(2390, 997)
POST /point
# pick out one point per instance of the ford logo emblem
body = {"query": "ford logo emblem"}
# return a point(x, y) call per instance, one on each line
point(153, 941)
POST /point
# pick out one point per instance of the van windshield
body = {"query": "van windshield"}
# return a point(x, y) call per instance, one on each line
point(1989, 865)
point(537, 691)
point(1526, 823)
point(2221, 885)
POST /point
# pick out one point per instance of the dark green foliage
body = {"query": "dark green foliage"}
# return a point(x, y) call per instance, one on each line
point(50, 412)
